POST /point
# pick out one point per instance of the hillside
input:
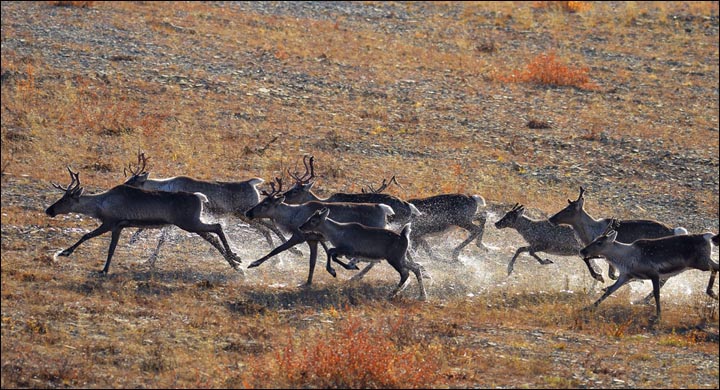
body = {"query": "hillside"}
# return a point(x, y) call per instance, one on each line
point(520, 102)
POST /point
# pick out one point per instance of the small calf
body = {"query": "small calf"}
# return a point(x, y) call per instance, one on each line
point(542, 237)
point(355, 240)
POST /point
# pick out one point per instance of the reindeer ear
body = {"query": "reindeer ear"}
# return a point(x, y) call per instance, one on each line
point(324, 212)
point(309, 186)
point(612, 235)
point(280, 198)
point(78, 192)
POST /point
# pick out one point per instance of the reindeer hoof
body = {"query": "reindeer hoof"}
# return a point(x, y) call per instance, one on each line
point(332, 272)
point(64, 253)
point(254, 264)
point(547, 261)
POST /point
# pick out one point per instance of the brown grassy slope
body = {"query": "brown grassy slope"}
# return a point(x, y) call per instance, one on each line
point(372, 90)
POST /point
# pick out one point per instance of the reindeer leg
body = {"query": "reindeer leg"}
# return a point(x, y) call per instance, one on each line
point(404, 274)
point(511, 264)
point(417, 269)
point(473, 234)
point(541, 261)
point(349, 266)
point(621, 280)
point(426, 246)
point(296, 238)
point(656, 292)
point(135, 236)
point(713, 273)
point(646, 300)
point(313, 260)
point(113, 243)
point(265, 228)
point(482, 219)
point(154, 255)
point(597, 276)
point(105, 227)
point(365, 270)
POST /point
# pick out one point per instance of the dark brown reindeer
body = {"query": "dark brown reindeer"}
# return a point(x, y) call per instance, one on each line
point(542, 236)
point(654, 259)
point(124, 206)
point(354, 239)
point(301, 192)
point(628, 230)
point(291, 216)
point(225, 198)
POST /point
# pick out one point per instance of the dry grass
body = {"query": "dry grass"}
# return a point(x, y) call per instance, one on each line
point(432, 100)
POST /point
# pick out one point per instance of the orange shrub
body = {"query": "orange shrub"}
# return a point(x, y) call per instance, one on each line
point(567, 6)
point(356, 357)
point(546, 69)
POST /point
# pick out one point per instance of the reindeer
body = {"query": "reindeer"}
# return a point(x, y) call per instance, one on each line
point(291, 216)
point(441, 212)
point(124, 206)
point(225, 198)
point(542, 237)
point(589, 228)
point(354, 239)
point(301, 192)
point(654, 259)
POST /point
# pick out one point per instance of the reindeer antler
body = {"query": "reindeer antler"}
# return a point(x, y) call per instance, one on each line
point(612, 226)
point(274, 190)
point(74, 182)
point(139, 168)
point(309, 171)
point(382, 187)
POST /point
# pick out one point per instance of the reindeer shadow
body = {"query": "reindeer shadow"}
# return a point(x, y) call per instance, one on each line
point(351, 294)
point(149, 282)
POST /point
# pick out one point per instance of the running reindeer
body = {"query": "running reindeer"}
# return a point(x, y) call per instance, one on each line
point(354, 239)
point(654, 259)
point(542, 236)
point(291, 216)
point(124, 206)
point(439, 213)
point(225, 198)
point(588, 229)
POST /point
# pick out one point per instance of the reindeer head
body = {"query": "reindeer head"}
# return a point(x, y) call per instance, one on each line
point(571, 212)
point(138, 175)
point(315, 221)
point(600, 244)
point(70, 197)
point(510, 217)
point(265, 208)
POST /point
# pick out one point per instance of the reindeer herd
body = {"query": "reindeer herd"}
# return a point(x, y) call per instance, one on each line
point(371, 226)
